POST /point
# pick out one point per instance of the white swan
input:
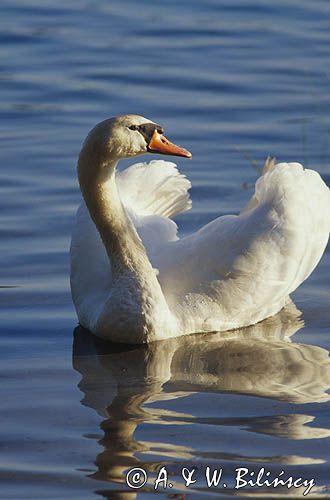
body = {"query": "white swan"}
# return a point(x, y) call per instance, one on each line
point(139, 282)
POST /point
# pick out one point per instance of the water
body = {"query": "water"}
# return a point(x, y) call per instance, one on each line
point(233, 81)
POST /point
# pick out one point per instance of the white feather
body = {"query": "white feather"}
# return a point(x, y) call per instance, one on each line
point(235, 271)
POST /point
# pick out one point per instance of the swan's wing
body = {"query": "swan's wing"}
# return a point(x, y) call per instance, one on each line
point(151, 193)
point(90, 271)
point(154, 188)
point(240, 269)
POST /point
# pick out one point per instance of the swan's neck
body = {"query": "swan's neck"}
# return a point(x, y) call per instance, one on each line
point(121, 241)
point(134, 283)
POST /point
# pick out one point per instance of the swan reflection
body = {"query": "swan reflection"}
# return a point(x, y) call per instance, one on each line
point(120, 384)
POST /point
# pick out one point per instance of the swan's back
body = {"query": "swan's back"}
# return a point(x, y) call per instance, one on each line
point(238, 270)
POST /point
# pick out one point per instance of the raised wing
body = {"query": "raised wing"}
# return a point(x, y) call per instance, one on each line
point(152, 193)
point(240, 269)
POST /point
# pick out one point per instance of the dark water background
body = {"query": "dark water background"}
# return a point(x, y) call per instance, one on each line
point(233, 81)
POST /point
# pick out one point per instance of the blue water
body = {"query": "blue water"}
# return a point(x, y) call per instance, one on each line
point(233, 81)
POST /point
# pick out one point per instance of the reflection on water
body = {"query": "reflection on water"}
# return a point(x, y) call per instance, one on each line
point(128, 386)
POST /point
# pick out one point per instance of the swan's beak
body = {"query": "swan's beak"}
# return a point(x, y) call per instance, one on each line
point(159, 144)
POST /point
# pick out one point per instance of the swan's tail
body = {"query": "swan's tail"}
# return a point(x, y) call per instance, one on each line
point(155, 188)
point(270, 163)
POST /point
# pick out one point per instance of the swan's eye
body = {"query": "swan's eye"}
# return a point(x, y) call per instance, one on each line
point(133, 127)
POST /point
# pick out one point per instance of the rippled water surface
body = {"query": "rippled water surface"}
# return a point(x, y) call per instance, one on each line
point(233, 81)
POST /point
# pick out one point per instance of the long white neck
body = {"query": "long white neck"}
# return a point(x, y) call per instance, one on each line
point(121, 241)
point(134, 282)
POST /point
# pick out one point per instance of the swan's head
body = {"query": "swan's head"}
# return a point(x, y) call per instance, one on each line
point(127, 136)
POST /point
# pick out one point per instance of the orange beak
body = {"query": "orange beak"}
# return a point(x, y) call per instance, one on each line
point(159, 144)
